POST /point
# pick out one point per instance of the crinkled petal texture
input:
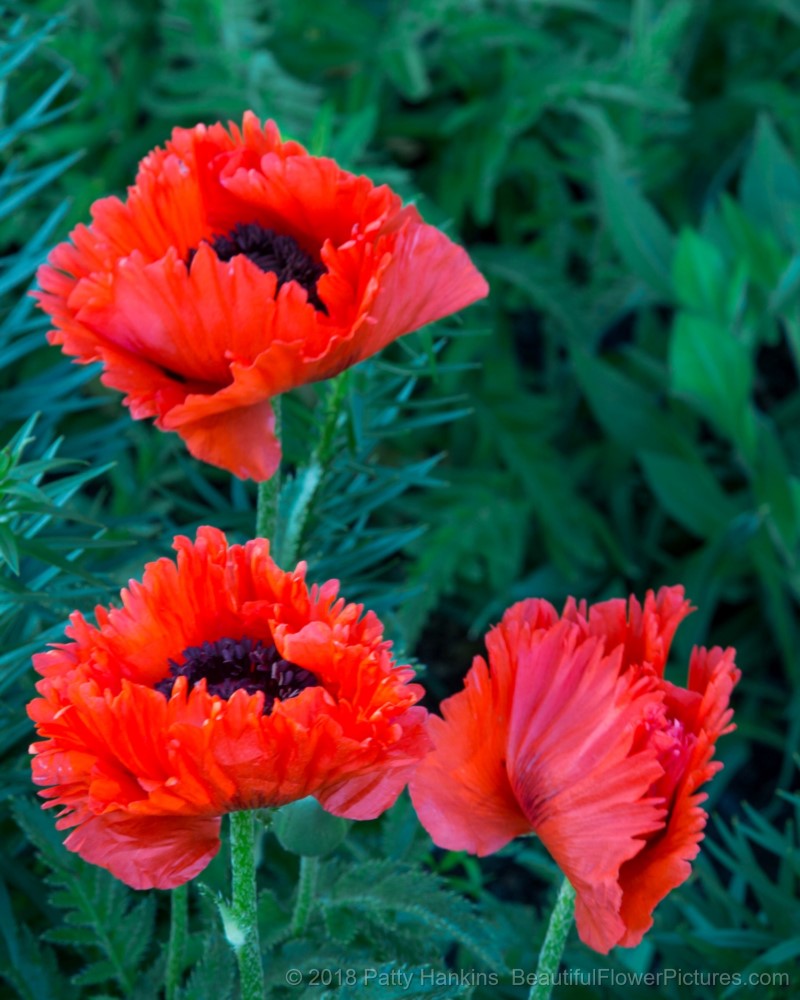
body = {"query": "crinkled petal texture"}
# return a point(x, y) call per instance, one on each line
point(202, 344)
point(571, 732)
point(143, 778)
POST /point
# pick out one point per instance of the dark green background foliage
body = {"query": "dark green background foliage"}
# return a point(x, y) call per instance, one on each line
point(623, 412)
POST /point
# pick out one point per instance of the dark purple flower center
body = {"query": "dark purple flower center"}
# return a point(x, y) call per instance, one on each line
point(280, 255)
point(230, 664)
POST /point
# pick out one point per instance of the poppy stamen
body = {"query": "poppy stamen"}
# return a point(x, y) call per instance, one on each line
point(230, 664)
point(281, 255)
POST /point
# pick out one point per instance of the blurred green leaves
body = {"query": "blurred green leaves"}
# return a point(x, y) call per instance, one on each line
point(712, 369)
point(642, 239)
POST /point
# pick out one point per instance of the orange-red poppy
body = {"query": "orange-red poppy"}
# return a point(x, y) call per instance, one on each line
point(222, 683)
point(572, 732)
point(240, 267)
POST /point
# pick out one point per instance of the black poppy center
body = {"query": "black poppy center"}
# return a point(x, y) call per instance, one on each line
point(228, 665)
point(280, 255)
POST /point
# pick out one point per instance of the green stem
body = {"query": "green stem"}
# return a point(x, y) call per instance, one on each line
point(242, 918)
point(554, 941)
point(333, 407)
point(308, 479)
point(306, 886)
point(243, 906)
point(178, 930)
point(269, 490)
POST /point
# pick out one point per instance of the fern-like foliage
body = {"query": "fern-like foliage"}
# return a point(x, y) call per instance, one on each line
point(386, 924)
point(52, 547)
point(110, 934)
point(747, 913)
point(347, 509)
point(216, 61)
point(41, 541)
point(396, 895)
point(213, 976)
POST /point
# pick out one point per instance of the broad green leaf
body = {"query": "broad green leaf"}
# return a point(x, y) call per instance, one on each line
point(700, 276)
point(640, 234)
point(787, 291)
point(689, 492)
point(755, 244)
point(770, 187)
point(9, 551)
point(403, 62)
point(711, 367)
point(629, 413)
point(774, 488)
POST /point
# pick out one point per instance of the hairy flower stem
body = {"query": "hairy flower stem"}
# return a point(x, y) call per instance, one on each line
point(309, 478)
point(178, 929)
point(306, 885)
point(269, 490)
point(333, 407)
point(554, 941)
point(243, 932)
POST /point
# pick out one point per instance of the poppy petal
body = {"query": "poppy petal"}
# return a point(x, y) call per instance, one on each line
point(409, 297)
point(573, 733)
point(583, 792)
point(148, 852)
point(369, 795)
point(644, 632)
point(167, 713)
point(465, 776)
point(649, 877)
point(241, 440)
point(184, 315)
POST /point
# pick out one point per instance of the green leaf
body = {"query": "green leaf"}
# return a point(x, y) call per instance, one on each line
point(472, 541)
point(689, 492)
point(755, 244)
point(770, 187)
point(567, 523)
point(773, 487)
point(31, 970)
point(394, 890)
point(641, 236)
point(15, 50)
point(94, 901)
point(787, 291)
point(404, 64)
point(9, 552)
point(214, 975)
point(629, 413)
point(402, 834)
point(710, 367)
point(701, 278)
point(27, 184)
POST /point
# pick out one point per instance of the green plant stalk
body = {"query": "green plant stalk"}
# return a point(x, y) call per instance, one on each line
point(269, 490)
point(243, 935)
point(243, 930)
point(306, 885)
point(178, 930)
point(333, 407)
point(554, 941)
point(313, 473)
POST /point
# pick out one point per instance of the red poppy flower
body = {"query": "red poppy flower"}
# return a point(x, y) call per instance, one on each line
point(571, 732)
point(240, 267)
point(222, 683)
